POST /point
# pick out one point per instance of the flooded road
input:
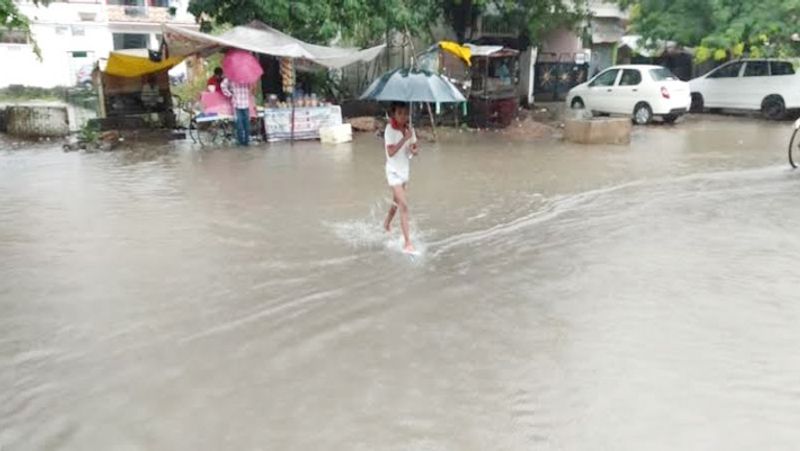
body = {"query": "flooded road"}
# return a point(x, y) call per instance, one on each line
point(567, 298)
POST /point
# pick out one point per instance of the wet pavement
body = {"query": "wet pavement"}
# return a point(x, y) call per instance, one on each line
point(567, 297)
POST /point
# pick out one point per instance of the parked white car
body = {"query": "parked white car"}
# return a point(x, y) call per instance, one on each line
point(769, 86)
point(641, 91)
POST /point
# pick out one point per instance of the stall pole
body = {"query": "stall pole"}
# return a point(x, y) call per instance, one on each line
point(414, 65)
point(292, 138)
point(294, 88)
point(486, 92)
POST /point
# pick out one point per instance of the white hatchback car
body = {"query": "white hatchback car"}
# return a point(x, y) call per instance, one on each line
point(642, 91)
point(769, 86)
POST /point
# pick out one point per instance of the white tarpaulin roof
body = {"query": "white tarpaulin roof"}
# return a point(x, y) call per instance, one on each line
point(260, 38)
point(483, 50)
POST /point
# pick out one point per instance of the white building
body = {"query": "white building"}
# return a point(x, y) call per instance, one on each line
point(74, 34)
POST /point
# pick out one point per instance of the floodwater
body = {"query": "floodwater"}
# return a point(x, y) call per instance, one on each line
point(567, 297)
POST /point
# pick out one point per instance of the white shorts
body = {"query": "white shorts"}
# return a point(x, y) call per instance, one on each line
point(395, 179)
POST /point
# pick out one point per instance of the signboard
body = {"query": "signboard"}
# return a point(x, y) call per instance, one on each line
point(307, 122)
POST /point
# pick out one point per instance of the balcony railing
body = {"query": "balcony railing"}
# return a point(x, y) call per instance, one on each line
point(142, 13)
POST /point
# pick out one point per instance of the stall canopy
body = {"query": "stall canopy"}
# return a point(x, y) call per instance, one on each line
point(135, 63)
point(462, 52)
point(260, 38)
point(490, 50)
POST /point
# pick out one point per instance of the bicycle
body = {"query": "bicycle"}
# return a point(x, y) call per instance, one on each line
point(794, 146)
point(211, 130)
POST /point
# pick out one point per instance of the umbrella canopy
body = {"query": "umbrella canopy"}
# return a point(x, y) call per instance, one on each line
point(411, 85)
point(241, 67)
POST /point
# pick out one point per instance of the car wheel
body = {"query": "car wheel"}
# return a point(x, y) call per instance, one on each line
point(670, 118)
point(773, 108)
point(697, 103)
point(642, 114)
point(577, 104)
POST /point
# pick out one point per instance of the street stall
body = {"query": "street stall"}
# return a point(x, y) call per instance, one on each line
point(493, 97)
point(134, 90)
point(300, 116)
point(451, 61)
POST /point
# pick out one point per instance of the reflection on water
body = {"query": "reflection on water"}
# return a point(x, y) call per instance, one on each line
point(568, 298)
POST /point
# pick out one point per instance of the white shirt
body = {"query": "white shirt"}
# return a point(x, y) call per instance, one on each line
point(398, 163)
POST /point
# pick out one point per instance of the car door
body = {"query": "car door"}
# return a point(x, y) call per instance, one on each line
point(782, 80)
point(754, 86)
point(627, 91)
point(601, 89)
point(720, 85)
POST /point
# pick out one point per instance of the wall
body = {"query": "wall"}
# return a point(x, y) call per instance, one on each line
point(58, 30)
point(561, 41)
point(57, 65)
point(602, 58)
point(63, 28)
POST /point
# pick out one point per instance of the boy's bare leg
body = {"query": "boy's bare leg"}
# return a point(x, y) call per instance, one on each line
point(402, 204)
point(387, 224)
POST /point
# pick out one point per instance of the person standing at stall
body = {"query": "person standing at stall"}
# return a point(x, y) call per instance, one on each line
point(239, 93)
point(216, 79)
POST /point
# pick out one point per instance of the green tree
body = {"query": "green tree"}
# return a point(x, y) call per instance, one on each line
point(532, 19)
point(361, 22)
point(535, 18)
point(14, 20)
point(365, 22)
point(719, 29)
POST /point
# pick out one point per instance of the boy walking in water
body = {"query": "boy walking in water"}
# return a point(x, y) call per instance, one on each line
point(400, 145)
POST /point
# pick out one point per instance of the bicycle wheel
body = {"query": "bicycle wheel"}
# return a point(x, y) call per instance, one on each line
point(193, 131)
point(227, 132)
point(794, 148)
point(208, 134)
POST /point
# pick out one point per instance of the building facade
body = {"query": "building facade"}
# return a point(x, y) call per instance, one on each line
point(73, 35)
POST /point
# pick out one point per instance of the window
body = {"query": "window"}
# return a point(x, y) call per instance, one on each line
point(756, 69)
point(62, 30)
point(13, 37)
point(80, 54)
point(123, 41)
point(662, 74)
point(781, 68)
point(727, 71)
point(78, 31)
point(127, 2)
point(606, 78)
point(630, 77)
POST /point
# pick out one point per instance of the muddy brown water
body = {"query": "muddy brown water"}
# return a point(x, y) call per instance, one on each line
point(567, 297)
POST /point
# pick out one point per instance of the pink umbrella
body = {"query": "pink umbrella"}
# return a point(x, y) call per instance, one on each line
point(241, 66)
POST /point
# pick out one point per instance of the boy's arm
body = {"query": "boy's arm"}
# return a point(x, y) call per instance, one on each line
point(392, 149)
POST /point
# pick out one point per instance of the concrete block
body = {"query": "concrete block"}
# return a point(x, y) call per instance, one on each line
point(598, 131)
point(365, 124)
point(34, 121)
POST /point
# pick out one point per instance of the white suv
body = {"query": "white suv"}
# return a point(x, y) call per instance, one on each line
point(769, 86)
point(642, 91)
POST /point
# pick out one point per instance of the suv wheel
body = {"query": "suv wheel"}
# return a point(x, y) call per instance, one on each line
point(773, 108)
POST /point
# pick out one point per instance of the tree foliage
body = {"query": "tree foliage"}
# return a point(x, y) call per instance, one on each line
point(13, 20)
point(535, 18)
point(532, 19)
point(361, 22)
point(720, 29)
point(364, 22)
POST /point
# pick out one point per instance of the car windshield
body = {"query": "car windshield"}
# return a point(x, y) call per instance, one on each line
point(662, 74)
